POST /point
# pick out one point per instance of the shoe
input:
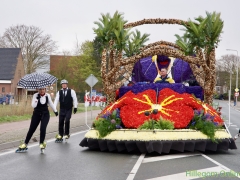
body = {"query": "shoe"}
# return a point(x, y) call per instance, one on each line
point(58, 137)
point(43, 145)
point(22, 146)
point(66, 136)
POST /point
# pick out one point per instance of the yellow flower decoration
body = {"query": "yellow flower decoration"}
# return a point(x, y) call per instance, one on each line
point(154, 58)
point(160, 107)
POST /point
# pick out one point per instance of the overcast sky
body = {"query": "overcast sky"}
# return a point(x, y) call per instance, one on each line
point(69, 20)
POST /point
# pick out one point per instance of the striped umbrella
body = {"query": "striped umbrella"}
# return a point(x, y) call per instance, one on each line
point(36, 80)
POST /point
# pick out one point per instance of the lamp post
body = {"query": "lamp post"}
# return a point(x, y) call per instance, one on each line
point(237, 73)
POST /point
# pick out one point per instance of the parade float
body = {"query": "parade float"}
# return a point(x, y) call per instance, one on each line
point(148, 117)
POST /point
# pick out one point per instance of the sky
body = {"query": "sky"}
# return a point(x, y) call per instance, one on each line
point(72, 21)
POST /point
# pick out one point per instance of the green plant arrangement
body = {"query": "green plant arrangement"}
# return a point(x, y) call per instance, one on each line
point(157, 124)
point(107, 123)
point(205, 124)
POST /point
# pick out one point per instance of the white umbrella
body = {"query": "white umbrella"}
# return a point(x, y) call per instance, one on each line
point(36, 80)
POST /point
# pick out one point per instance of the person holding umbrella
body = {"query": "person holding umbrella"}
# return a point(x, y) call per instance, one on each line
point(40, 102)
point(68, 99)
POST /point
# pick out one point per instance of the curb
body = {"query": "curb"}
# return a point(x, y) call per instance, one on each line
point(15, 144)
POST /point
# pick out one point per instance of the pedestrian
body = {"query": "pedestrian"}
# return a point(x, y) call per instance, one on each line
point(68, 99)
point(234, 101)
point(40, 102)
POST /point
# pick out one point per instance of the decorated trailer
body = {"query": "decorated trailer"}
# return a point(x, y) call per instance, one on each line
point(159, 117)
point(156, 112)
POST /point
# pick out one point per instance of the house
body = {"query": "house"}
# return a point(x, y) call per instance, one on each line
point(11, 71)
point(55, 60)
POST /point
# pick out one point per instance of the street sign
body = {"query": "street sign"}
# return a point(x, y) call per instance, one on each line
point(236, 94)
point(236, 90)
point(91, 80)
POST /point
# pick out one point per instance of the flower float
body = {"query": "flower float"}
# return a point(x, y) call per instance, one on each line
point(158, 117)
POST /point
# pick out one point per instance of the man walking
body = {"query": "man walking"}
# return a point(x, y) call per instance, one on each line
point(68, 99)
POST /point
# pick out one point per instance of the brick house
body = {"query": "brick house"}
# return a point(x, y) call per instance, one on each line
point(59, 63)
point(56, 59)
point(11, 71)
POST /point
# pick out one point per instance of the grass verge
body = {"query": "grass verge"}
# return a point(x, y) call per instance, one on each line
point(15, 117)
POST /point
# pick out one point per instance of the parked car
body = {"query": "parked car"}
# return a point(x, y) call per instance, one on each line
point(5, 99)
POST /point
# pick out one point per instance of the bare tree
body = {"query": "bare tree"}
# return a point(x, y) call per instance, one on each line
point(77, 47)
point(34, 44)
point(227, 63)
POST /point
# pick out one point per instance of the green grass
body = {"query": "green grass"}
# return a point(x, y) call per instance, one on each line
point(81, 108)
point(21, 112)
point(14, 118)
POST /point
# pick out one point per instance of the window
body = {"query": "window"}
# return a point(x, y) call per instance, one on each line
point(3, 89)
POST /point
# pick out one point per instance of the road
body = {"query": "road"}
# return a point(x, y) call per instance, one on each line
point(70, 161)
point(65, 161)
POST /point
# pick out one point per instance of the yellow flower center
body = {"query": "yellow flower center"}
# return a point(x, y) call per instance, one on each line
point(160, 107)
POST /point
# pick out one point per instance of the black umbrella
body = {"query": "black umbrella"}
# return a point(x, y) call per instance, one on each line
point(36, 80)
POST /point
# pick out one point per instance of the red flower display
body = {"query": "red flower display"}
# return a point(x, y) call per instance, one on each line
point(171, 105)
point(207, 110)
point(117, 104)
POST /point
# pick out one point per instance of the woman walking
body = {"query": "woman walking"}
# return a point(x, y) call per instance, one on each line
point(40, 102)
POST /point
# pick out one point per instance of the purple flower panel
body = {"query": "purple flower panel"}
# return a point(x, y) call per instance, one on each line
point(177, 87)
point(140, 87)
point(181, 71)
point(196, 90)
point(145, 69)
point(140, 73)
point(124, 89)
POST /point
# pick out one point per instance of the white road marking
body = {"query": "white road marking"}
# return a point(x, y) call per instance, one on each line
point(167, 157)
point(36, 144)
point(215, 162)
point(135, 167)
point(217, 171)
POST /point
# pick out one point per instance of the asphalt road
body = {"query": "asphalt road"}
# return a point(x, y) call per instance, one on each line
point(65, 161)
point(70, 161)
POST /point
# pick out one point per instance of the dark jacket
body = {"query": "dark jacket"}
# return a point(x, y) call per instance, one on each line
point(67, 101)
